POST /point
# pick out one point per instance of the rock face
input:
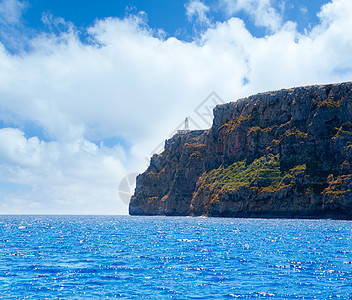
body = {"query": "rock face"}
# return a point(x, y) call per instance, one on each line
point(278, 154)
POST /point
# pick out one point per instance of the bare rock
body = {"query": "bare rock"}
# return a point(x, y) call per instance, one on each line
point(278, 154)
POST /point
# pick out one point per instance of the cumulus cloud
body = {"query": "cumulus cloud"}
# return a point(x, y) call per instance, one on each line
point(262, 12)
point(197, 10)
point(59, 177)
point(131, 85)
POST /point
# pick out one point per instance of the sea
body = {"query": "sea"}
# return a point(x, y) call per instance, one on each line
point(107, 257)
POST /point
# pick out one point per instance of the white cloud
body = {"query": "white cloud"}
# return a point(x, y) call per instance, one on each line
point(16, 149)
point(131, 84)
point(11, 27)
point(336, 14)
point(11, 11)
point(62, 177)
point(262, 12)
point(197, 10)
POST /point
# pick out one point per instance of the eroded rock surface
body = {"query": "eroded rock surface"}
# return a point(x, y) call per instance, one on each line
point(278, 154)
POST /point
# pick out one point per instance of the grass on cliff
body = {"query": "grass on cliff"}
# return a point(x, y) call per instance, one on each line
point(339, 186)
point(263, 175)
point(345, 131)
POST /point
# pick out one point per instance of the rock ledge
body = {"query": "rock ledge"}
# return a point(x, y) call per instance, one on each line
point(283, 154)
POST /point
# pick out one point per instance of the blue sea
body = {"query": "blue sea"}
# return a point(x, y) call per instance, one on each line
point(105, 257)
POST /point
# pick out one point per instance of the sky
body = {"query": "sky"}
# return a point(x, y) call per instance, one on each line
point(89, 90)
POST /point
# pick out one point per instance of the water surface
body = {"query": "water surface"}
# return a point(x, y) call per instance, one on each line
point(103, 257)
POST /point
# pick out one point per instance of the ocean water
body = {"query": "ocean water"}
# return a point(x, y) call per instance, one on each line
point(105, 257)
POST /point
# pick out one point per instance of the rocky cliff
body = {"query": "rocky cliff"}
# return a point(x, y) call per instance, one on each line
point(278, 154)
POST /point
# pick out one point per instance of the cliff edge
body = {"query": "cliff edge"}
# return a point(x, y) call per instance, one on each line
point(278, 154)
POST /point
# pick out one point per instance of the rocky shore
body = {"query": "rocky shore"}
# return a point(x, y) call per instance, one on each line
point(286, 153)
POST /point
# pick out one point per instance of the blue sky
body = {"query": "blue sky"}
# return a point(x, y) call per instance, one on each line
point(170, 16)
point(89, 90)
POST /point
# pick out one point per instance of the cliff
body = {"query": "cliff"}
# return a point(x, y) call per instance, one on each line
point(278, 154)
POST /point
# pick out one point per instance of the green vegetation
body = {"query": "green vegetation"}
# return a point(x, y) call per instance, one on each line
point(339, 186)
point(345, 130)
point(233, 124)
point(196, 151)
point(196, 155)
point(263, 175)
point(331, 103)
point(157, 175)
point(297, 133)
point(257, 129)
point(293, 132)
point(344, 133)
point(254, 130)
point(194, 145)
